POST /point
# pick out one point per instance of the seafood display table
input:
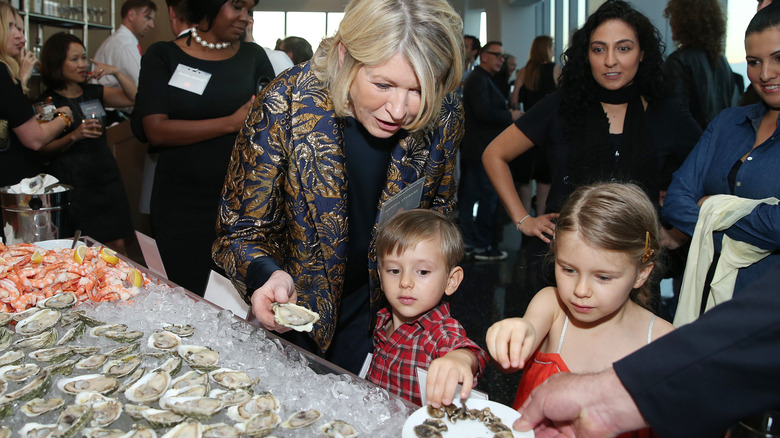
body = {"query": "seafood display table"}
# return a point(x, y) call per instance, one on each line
point(298, 380)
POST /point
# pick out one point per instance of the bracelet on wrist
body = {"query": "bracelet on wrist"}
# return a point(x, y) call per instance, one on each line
point(65, 118)
point(517, 225)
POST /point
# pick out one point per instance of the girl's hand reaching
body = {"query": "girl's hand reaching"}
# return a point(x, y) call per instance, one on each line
point(510, 342)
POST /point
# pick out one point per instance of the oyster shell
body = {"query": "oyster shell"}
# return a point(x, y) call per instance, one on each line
point(123, 336)
point(181, 330)
point(5, 338)
point(190, 429)
point(122, 366)
point(220, 430)
point(39, 406)
point(232, 397)
point(158, 418)
point(5, 410)
point(53, 354)
point(34, 388)
point(172, 366)
point(73, 333)
point(105, 412)
point(263, 402)
point(11, 357)
point(124, 350)
point(201, 408)
point(101, 330)
point(163, 340)
point(141, 432)
point(295, 317)
point(70, 317)
point(189, 391)
point(64, 367)
point(88, 320)
point(149, 387)
point(88, 382)
point(259, 425)
point(72, 420)
point(135, 411)
point(43, 340)
point(190, 378)
point(302, 419)
point(137, 374)
point(85, 351)
point(35, 430)
point(3, 386)
point(92, 362)
point(198, 357)
point(38, 322)
point(25, 313)
point(60, 301)
point(5, 318)
point(5, 432)
point(232, 379)
point(19, 373)
point(99, 432)
point(338, 428)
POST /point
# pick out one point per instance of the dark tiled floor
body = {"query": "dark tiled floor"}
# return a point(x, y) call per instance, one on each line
point(492, 291)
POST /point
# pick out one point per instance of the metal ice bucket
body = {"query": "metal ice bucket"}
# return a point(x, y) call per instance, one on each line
point(32, 218)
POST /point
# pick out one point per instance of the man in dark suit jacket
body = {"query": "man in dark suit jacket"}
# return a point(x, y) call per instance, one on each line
point(694, 382)
point(487, 114)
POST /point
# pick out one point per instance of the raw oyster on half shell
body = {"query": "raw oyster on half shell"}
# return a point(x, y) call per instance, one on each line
point(36, 387)
point(122, 366)
point(60, 301)
point(338, 428)
point(149, 388)
point(259, 425)
point(190, 429)
point(92, 362)
point(232, 379)
point(19, 373)
point(302, 419)
point(163, 340)
point(181, 330)
point(88, 382)
point(201, 408)
point(263, 402)
point(11, 357)
point(158, 418)
point(38, 322)
point(295, 317)
point(190, 378)
point(39, 406)
point(198, 357)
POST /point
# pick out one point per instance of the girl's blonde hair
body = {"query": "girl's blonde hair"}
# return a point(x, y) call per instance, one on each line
point(616, 217)
point(7, 15)
point(427, 33)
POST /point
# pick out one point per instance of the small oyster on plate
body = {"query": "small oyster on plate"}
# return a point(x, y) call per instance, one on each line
point(141, 432)
point(201, 408)
point(302, 419)
point(135, 411)
point(220, 430)
point(19, 373)
point(101, 330)
point(35, 430)
point(60, 301)
point(159, 418)
point(99, 432)
point(263, 402)
point(190, 378)
point(11, 357)
point(232, 379)
point(232, 397)
point(38, 322)
point(88, 382)
point(85, 351)
point(65, 367)
point(32, 389)
point(72, 420)
point(105, 412)
point(189, 391)
point(126, 336)
point(73, 333)
point(338, 428)
point(163, 340)
point(427, 431)
point(172, 366)
point(149, 388)
point(295, 317)
point(198, 357)
point(190, 429)
point(53, 354)
point(137, 374)
point(91, 362)
point(181, 330)
point(124, 350)
point(39, 406)
point(122, 366)
point(42, 340)
point(259, 425)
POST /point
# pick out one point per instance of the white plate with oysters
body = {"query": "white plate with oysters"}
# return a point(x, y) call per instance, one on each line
point(464, 427)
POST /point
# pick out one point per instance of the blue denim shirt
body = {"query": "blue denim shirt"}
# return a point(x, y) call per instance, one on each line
point(705, 172)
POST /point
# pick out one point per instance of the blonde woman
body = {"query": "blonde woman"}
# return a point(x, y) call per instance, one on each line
point(20, 133)
point(325, 149)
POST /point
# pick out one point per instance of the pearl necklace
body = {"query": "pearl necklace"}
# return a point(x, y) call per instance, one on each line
point(206, 43)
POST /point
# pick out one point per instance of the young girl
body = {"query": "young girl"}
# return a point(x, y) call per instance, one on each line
point(606, 244)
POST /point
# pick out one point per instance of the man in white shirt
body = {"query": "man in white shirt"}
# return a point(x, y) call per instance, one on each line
point(122, 49)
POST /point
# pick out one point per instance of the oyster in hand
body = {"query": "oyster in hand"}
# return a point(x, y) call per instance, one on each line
point(295, 317)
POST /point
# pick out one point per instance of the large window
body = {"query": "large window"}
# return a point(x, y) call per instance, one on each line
point(739, 15)
point(312, 26)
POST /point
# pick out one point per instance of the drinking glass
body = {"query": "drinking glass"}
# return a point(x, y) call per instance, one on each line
point(766, 425)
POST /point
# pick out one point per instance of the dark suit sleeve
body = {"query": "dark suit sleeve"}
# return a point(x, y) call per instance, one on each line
point(702, 378)
point(486, 102)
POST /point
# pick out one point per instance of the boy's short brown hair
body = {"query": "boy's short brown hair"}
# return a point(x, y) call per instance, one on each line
point(408, 228)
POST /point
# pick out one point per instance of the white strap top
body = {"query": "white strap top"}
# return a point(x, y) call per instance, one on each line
point(566, 324)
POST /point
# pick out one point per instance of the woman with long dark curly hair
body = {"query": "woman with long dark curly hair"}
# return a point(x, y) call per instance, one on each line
point(704, 82)
point(611, 120)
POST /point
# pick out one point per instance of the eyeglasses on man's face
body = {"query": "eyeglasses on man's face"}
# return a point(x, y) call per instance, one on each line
point(497, 54)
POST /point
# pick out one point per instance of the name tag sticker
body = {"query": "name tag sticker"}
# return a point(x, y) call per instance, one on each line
point(92, 109)
point(407, 199)
point(190, 79)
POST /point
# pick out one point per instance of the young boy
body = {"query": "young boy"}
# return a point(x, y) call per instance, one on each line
point(418, 252)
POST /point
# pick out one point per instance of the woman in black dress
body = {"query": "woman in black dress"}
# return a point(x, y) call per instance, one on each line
point(194, 96)
point(81, 157)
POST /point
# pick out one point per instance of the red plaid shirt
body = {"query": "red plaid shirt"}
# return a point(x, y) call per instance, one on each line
point(416, 344)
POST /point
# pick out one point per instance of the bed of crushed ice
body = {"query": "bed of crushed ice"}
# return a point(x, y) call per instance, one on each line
point(282, 370)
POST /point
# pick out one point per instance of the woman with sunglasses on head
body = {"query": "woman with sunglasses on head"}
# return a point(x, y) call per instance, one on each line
point(194, 95)
point(612, 119)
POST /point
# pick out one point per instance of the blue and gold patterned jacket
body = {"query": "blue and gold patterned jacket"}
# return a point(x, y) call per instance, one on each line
point(285, 194)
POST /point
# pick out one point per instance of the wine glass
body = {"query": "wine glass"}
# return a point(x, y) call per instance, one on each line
point(766, 425)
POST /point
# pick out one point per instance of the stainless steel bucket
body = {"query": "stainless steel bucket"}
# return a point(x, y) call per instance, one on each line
point(33, 218)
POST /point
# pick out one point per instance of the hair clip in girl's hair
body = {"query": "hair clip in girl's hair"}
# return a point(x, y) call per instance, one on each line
point(647, 252)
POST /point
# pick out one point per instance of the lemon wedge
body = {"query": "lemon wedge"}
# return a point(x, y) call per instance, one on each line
point(36, 257)
point(135, 278)
point(109, 255)
point(79, 253)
